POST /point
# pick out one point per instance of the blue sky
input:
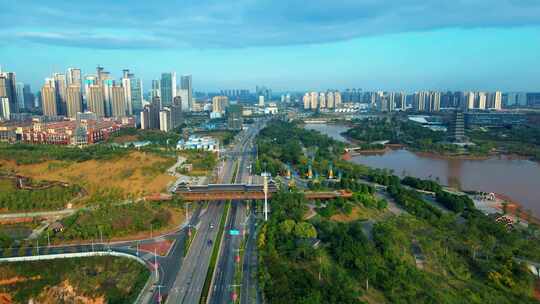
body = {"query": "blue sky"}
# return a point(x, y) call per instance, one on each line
point(287, 45)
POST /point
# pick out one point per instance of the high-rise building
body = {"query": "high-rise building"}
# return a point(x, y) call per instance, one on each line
point(177, 116)
point(261, 101)
point(168, 88)
point(497, 104)
point(184, 100)
point(49, 100)
point(74, 77)
point(155, 92)
point(74, 100)
point(165, 119)
point(337, 99)
point(234, 117)
point(186, 83)
point(61, 86)
point(307, 101)
point(314, 100)
point(20, 96)
point(482, 100)
point(118, 102)
point(402, 101)
point(96, 101)
point(126, 85)
point(330, 100)
point(434, 104)
point(470, 97)
point(219, 104)
point(264, 91)
point(29, 98)
point(132, 92)
point(89, 80)
point(136, 96)
point(5, 112)
point(8, 89)
point(419, 101)
point(322, 100)
point(154, 107)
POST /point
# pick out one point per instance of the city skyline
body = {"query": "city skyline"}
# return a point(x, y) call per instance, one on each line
point(480, 46)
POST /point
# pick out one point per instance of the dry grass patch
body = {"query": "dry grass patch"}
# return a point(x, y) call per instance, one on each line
point(138, 173)
point(358, 213)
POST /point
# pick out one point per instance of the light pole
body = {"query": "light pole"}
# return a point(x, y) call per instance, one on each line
point(265, 189)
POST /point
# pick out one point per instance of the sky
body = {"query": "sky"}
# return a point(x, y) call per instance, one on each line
point(287, 45)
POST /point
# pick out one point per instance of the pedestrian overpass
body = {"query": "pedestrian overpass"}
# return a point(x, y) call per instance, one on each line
point(220, 192)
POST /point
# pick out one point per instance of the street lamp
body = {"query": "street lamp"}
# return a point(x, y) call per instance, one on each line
point(265, 175)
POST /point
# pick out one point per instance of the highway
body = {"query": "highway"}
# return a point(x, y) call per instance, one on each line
point(223, 288)
point(189, 281)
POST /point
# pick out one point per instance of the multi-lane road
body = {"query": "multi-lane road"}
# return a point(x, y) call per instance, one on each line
point(189, 282)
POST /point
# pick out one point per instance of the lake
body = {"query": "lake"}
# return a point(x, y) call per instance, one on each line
point(517, 178)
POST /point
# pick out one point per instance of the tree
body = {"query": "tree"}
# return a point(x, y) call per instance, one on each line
point(287, 226)
point(305, 230)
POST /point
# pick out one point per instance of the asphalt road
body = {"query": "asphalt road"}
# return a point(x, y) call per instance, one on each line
point(223, 288)
point(189, 282)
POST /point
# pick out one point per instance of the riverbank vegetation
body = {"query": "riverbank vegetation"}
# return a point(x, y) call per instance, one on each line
point(286, 146)
point(77, 280)
point(520, 140)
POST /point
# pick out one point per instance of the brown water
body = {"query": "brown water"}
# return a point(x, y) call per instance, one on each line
point(517, 178)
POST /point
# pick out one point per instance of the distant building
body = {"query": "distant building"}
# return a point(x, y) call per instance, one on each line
point(74, 100)
point(150, 115)
point(96, 101)
point(8, 89)
point(165, 119)
point(118, 102)
point(183, 96)
point(234, 117)
point(219, 104)
point(198, 143)
point(167, 88)
point(261, 101)
point(314, 100)
point(186, 84)
point(5, 111)
point(29, 98)
point(307, 101)
point(74, 77)
point(456, 130)
point(494, 119)
point(49, 100)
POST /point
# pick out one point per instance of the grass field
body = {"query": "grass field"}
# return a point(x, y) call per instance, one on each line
point(136, 174)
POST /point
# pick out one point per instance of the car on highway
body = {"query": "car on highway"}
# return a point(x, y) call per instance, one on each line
point(211, 225)
point(209, 242)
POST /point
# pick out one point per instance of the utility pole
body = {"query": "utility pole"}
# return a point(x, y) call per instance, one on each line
point(48, 239)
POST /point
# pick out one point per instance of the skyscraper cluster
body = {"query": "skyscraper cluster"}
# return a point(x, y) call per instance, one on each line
point(71, 93)
point(168, 102)
point(322, 100)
